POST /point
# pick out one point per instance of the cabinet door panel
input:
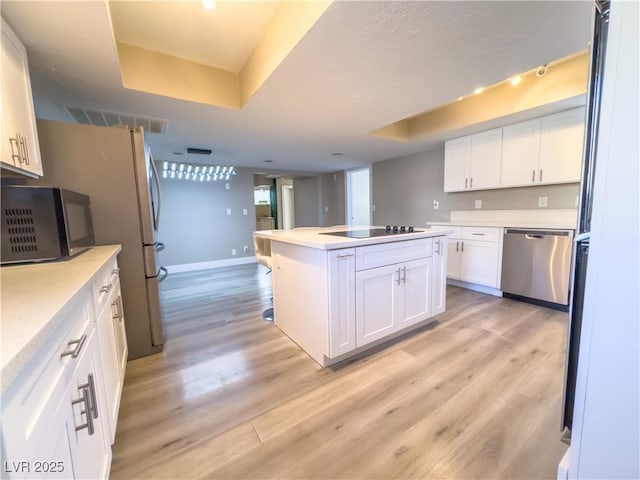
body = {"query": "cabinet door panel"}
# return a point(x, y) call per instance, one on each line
point(561, 143)
point(479, 262)
point(439, 277)
point(520, 153)
point(342, 302)
point(486, 152)
point(415, 295)
point(18, 117)
point(376, 298)
point(90, 452)
point(453, 259)
point(457, 154)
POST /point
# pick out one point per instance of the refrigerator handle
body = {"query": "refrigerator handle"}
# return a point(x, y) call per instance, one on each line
point(162, 278)
point(156, 218)
point(582, 237)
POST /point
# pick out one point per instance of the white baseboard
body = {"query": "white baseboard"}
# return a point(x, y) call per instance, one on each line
point(227, 262)
point(475, 287)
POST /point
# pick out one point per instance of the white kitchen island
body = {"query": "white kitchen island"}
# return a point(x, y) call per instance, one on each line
point(337, 296)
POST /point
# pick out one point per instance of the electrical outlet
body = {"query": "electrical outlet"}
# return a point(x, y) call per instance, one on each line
point(326, 209)
point(245, 248)
point(542, 202)
point(244, 211)
point(233, 252)
point(436, 204)
point(478, 203)
point(228, 211)
point(227, 186)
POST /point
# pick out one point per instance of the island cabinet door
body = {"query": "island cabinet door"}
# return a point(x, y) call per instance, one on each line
point(439, 277)
point(377, 302)
point(342, 301)
point(415, 294)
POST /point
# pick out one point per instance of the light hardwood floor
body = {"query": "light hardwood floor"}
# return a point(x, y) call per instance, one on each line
point(477, 394)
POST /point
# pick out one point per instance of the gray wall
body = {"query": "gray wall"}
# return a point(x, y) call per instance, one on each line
point(319, 201)
point(194, 224)
point(404, 188)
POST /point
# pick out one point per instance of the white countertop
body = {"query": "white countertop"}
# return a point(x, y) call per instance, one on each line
point(314, 238)
point(507, 224)
point(31, 296)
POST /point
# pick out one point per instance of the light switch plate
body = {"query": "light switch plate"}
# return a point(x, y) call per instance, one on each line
point(542, 202)
point(244, 211)
point(436, 204)
point(478, 203)
point(228, 211)
point(326, 209)
point(233, 252)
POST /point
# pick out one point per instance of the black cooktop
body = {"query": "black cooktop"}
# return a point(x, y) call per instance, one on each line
point(369, 232)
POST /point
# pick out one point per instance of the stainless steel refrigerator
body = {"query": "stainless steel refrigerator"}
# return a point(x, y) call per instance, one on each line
point(115, 168)
point(583, 234)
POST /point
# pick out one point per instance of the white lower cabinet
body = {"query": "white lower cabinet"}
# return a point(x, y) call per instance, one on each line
point(59, 414)
point(393, 297)
point(439, 275)
point(342, 302)
point(474, 254)
point(87, 417)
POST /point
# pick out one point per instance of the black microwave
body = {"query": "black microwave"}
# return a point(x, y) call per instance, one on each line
point(44, 223)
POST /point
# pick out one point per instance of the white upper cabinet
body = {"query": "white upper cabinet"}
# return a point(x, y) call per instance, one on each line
point(457, 155)
point(473, 162)
point(20, 149)
point(520, 153)
point(561, 144)
point(541, 151)
point(486, 152)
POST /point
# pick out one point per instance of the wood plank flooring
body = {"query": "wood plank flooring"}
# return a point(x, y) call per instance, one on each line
point(476, 395)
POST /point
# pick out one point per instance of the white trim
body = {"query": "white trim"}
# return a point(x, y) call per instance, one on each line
point(475, 287)
point(227, 262)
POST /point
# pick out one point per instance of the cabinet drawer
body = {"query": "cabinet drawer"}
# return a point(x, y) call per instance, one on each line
point(457, 231)
point(487, 234)
point(28, 403)
point(374, 256)
point(104, 283)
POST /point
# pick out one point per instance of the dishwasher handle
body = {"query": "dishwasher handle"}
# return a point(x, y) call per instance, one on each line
point(538, 233)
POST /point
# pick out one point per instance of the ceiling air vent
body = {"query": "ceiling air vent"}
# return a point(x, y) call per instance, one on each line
point(103, 118)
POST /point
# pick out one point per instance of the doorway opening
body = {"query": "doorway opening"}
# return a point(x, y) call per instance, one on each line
point(359, 196)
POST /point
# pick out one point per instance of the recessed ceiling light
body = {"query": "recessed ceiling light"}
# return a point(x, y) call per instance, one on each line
point(336, 154)
point(478, 90)
point(209, 4)
point(178, 153)
point(516, 80)
point(267, 161)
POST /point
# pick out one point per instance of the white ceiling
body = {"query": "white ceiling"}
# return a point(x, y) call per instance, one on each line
point(223, 37)
point(363, 65)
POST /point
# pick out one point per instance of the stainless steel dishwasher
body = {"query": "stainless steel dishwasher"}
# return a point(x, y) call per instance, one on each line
point(536, 265)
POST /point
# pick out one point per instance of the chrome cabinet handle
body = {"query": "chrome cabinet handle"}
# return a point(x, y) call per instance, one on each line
point(78, 347)
point(533, 237)
point(540, 175)
point(404, 274)
point(23, 148)
point(115, 271)
point(163, 277)
point(92, 403)
point(118, 311)
point(465, 183)
point(106, 288)
point(160, 246)
point(457, 246)
point(86, 400)
point(533, 175)
point(398, 279)
point(15, 156)
point(471, 183)
point(438, 245)
point(462, 246)
point(345, 255)
point(479, 234)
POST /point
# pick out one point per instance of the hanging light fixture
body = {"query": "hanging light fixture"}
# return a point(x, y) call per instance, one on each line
point(197, 171)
